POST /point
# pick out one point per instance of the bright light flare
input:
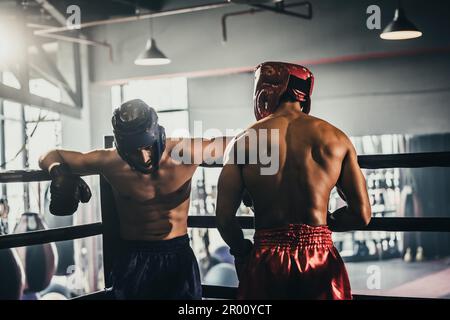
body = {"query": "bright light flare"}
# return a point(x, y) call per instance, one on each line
point(7, 45)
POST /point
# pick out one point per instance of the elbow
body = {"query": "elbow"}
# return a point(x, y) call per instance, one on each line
point(366, 221)
point(40, 162)
point(366, 215)
point(361, 215)
point(43, 159)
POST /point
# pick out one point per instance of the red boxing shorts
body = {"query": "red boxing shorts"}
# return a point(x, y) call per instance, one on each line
point(296, 262)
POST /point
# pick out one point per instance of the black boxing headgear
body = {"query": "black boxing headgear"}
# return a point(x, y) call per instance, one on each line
point(275, 79)
point(135, 126)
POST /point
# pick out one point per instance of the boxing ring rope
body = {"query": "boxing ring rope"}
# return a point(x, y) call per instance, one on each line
point(377, 161)
point(50, 235)
point(106, 228)
point(94, 229)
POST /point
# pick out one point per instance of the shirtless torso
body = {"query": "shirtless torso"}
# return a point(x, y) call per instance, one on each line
point(314, 157)
point(150, 206)
point(293, 256)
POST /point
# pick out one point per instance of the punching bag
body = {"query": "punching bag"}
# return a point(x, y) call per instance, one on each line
point(12, 276)
point(222, 274)
point(39, 260)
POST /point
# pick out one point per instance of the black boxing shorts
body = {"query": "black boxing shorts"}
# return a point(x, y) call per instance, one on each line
point(161, 270)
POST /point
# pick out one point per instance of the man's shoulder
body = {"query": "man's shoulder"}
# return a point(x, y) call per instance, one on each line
point(105, 157)
point(106, 153)
point(109, 161)
point(267, 123)
point(181, 142)
point(328, 137)
point(179, 145)
point(181, 151)
point(329, 128)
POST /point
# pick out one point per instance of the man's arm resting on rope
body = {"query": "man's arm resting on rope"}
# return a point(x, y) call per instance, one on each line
point(67, 188)
point(80, 163)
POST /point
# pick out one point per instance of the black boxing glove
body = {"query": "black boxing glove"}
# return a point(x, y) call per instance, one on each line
point(243, 251)
point(67, 190)
point(241, 256)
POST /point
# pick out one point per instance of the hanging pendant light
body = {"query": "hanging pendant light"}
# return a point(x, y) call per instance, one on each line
point(151, 56)
point(400, 28)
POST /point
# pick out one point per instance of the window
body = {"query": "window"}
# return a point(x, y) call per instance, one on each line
point(167, 96)
point(77, 259)
point(43, 132)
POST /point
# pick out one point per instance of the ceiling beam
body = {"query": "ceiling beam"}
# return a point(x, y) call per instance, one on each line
point(58, 16)
point(26, 98)
point(135, 17)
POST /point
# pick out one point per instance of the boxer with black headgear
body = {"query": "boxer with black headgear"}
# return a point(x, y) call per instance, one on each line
point(136, 129)
point(152, 194)
point(292, 256)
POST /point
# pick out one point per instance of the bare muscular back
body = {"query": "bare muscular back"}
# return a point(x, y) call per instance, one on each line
point(311, 153)
point(150, 207)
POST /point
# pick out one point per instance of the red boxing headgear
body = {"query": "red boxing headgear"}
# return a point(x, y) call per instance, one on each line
point(274, 79)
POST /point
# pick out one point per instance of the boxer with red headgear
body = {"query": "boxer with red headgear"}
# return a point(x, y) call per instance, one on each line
point(293, 256)
point(276, 81)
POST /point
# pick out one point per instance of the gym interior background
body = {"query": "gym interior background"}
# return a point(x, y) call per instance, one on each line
point(61, 78)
